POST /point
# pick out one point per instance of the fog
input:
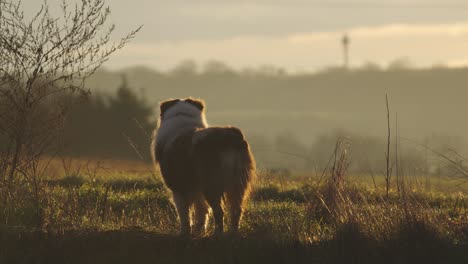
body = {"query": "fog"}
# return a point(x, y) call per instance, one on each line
point(268, 101)
point(295, 118)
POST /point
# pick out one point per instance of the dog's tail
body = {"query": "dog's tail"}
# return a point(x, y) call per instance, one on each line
point(238, 166)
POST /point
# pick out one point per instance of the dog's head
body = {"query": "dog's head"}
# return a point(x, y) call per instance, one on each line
point(185, 108)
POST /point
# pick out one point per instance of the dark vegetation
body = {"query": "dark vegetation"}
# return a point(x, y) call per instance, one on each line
point(110, 126)
point(124, 246)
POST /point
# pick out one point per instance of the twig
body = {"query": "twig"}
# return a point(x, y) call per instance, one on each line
point(388, 171)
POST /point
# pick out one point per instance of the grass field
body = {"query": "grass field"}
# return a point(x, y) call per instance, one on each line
point(102, 216)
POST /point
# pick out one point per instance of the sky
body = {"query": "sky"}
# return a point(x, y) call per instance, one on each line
point(297, 35)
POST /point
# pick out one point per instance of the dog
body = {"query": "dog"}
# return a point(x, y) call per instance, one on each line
point(201, 165)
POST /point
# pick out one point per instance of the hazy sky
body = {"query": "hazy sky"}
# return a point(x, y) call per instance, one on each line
point(299, 35)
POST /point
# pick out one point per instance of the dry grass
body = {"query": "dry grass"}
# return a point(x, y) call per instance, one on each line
point(330, 218)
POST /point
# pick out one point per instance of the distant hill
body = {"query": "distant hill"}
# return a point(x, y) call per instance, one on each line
point(268, 102)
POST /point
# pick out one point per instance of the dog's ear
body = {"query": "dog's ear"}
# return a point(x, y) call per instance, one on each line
point(196, 102)
point(164, 106)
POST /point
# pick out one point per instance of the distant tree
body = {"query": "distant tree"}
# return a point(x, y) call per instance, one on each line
point(131, 115)
point(110, 126)
point(403, 63)
point(370, 67)
point(186, 67)
point(270, 70)
point(42, 59)
point(217, 67)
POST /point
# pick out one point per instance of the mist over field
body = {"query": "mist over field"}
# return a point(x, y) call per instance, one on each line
point(268, 101)
point(426, 105)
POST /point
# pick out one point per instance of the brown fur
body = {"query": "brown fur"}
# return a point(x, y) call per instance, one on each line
point(204, 166)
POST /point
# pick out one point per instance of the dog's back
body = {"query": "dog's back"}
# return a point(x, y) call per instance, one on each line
point(215, 159)
point(223, 159)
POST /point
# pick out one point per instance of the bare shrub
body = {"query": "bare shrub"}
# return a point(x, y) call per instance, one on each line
point(361, 214)
point(42, 59)
point(333, 190)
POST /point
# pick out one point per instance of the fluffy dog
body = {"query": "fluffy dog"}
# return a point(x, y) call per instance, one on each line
point(202, 165)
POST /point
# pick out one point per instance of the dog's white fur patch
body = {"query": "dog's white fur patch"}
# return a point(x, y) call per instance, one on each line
point(181, 117)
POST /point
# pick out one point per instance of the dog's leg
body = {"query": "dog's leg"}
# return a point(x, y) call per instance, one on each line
point(183, 205)
point(234, 199)
point(201, 211)
point(215, 202)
